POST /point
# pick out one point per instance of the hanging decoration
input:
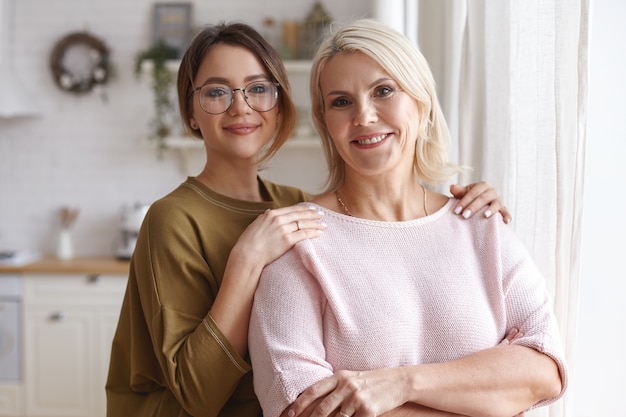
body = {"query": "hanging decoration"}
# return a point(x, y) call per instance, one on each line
point(80, 63)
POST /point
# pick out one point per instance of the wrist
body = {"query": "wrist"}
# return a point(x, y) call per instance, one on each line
point(412, 383)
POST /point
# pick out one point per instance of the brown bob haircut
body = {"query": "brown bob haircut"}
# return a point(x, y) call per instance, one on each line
point(237, 34)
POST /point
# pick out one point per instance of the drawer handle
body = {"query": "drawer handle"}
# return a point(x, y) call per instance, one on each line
point(57, 316)
point(94, 278)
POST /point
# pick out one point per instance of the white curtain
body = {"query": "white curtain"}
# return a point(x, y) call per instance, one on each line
point(512, 78)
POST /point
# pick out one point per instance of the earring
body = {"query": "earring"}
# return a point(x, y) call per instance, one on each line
point(193, 124)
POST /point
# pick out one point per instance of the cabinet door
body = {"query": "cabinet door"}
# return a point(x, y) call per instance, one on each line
point(107, 324)
point(9, 400)
point(58, 365)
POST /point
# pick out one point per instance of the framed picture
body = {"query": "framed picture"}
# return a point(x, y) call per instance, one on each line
point(172, 25)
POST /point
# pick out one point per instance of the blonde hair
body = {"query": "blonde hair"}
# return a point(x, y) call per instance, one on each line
point(408, 67)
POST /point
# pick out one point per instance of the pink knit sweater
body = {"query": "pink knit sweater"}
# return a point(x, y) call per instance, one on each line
point(371, 294)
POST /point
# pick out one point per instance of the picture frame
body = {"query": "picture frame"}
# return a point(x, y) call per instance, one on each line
point(172, 25)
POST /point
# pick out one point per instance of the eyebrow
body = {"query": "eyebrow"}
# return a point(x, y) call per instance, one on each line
point(371, 85)
point(246, 80)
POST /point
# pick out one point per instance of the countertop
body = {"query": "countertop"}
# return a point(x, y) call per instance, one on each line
point(79, 265)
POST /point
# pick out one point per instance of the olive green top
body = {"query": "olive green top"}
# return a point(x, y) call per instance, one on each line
point(168, 356)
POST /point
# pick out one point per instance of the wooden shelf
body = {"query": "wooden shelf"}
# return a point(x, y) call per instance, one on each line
point(79, 265)
point(184, 142)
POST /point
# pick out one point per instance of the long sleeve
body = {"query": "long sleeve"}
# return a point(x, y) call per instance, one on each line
point(368, 295)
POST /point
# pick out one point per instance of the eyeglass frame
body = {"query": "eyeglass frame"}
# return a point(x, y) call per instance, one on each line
point(232, 95)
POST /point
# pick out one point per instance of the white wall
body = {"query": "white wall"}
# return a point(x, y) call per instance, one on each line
point(84, 152)
point(600, 365)
point(88, 153)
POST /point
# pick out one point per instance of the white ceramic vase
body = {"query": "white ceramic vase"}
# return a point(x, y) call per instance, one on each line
point(65, 246)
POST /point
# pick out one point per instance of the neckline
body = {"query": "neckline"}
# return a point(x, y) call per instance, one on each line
point(447, 207)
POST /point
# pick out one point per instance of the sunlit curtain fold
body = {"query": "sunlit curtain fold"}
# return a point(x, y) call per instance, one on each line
point(512, 79)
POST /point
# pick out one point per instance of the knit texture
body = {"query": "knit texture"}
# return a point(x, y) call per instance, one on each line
point(371, 294)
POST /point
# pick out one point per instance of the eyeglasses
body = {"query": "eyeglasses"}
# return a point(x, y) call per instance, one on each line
point(216, 98)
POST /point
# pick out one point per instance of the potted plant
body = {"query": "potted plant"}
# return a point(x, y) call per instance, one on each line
point(162, 82)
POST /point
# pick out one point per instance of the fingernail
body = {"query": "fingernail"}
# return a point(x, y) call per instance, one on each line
point(291, 413)
point(488, 213)
point(467, 213)
point(458, 209)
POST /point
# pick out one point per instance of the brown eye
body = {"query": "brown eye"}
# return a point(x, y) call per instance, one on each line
point(383, 91)
point(340, 102)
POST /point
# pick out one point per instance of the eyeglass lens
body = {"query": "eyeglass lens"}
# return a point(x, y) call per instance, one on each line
point(261, 96)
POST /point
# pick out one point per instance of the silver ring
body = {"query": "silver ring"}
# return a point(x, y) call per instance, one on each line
point(298, 228)
point(342, 414)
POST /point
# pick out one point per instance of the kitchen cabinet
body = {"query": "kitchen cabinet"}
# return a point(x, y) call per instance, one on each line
point(69, 322)
point(10, 344)
point(10, 395)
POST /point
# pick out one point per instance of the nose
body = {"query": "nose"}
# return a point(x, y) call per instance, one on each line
point(239, 104)
point(365, 113)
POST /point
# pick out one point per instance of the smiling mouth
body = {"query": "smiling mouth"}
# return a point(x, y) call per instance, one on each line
point(241, 128)
point(372, 140)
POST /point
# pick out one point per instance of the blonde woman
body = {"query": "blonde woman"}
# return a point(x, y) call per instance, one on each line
point(400, 307)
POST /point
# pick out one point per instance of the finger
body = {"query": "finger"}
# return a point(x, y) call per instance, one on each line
point(298, 212)
point(514, 334)
point(298, 208)
point(458, 191)
point(495, 207)
point(506, 215)
point(511, 336)
point(312, 395)
point(472, 203)
point(332, 405)
point(305, 225)
point(477, 196)
point(465, 194)
point(295, 218)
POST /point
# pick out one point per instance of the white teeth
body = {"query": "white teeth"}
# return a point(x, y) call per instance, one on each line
point(371, 141)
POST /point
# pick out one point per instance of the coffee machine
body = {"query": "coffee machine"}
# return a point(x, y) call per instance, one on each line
point(130, 223)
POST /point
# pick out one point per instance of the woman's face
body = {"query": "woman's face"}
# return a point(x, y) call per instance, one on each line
point(372, 123)
point(240, 132)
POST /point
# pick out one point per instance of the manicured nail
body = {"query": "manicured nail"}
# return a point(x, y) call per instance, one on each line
point(467, 213)
point(291, 413)
point(458, 209)
point(488, 213)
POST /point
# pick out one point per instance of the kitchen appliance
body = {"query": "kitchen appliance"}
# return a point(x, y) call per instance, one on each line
point(10, 325)
point(131, 219)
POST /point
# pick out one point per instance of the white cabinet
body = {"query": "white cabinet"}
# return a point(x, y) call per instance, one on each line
point(69, 321)
point(10, 399)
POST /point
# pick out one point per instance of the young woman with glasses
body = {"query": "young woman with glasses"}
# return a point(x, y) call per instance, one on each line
point(181, 345)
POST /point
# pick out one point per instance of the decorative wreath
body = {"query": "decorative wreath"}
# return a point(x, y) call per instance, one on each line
point(92, 68)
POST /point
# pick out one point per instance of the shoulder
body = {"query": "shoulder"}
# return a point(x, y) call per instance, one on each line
point(172, 203)
point(177, 211)
point(285, 195)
